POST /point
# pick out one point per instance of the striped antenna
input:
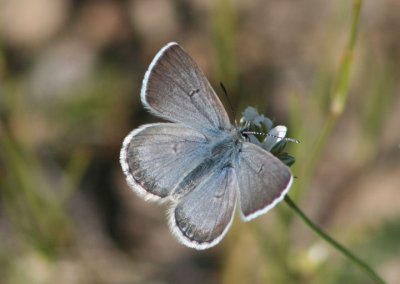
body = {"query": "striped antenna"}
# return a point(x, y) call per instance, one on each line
point(271, 135)
point(229, 102)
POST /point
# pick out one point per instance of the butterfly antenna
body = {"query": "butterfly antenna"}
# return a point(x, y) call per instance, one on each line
point(229, 101)
point(271, 135)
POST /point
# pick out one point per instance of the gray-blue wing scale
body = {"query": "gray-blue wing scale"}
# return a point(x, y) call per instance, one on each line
point(175, 89)
point(201, 218)
point(263, 181)
point(156, 157)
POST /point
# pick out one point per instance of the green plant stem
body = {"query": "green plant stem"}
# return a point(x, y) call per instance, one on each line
point(361, 264)
point(341, 89)
point(338, 100)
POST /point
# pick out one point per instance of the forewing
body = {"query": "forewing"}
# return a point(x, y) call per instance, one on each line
point(263, 181)
point(176, 89)
point(155, 157)
point(202, 218)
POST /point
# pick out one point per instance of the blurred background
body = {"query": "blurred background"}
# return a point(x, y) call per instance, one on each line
point(70, 78)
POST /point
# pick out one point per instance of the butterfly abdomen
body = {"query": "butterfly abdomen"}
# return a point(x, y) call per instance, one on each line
point(221, 154)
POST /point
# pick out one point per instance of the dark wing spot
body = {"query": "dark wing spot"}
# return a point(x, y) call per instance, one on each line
point(260, 169)
point(194, 92)
point(175, 148)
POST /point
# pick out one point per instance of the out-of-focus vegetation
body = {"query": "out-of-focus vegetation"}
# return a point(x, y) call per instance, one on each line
point(70, 77)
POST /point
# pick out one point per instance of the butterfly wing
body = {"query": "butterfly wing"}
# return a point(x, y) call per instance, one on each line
point(263, 181)
point(156, 157)
point(202, 218)
point(175, 89)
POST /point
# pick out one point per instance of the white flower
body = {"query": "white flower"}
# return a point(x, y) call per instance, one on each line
point(274, 136)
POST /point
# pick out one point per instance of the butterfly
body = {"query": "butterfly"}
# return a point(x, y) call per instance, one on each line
point(202, 164)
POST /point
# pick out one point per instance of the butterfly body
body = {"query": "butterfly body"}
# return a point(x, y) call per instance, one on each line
point(199, 162)
point(221, 152)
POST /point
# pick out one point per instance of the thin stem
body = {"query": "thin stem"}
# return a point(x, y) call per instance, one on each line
point(339, 94)
point(341, 89)
point(361, 264)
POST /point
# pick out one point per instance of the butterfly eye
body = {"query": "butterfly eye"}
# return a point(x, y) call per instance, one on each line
point(244, 135)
